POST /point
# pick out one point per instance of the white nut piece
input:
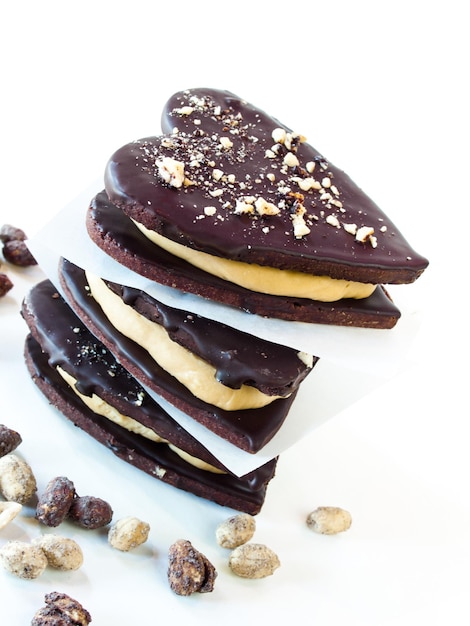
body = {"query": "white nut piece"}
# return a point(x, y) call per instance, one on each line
point(235, 530)
point(8, 512)
point(329, 520)
point(253, 560)
point(22, 559)
point(128, 533)
point(62, 553)
point(171, 171)
point(17, 481)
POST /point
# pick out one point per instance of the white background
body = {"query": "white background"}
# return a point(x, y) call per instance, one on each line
point(381, 90)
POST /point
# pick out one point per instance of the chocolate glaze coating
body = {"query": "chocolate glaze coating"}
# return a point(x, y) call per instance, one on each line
point(134, 183)
point(249, 429)
point(116, 235)
point(65, 341)
point(238, 357)
point(68, 343)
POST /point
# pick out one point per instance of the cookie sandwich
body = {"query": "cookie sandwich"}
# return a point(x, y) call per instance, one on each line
point(231, 204)
point(238, 386)
point(85, 382)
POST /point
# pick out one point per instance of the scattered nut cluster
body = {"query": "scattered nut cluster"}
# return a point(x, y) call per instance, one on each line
point(61, 609)
point(60, 501)
point(29, 560)
point(15, 251)
point(62, 553)
point(189, 571)
point(247, 560)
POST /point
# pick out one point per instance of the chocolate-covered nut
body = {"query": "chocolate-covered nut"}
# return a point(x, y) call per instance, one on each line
point(17, 252)
point(9, 439)
point(54, 504)
point(5, 284)
point(90, 512)
point(189, 571)
point(9, 232)
point(61, 609)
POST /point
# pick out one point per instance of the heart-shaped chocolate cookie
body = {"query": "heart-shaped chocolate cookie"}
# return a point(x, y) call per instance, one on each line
point(239, 208)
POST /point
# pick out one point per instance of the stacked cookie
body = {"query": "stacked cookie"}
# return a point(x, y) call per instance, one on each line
point(232, 206)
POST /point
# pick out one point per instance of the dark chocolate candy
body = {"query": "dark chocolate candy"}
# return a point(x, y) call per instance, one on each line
point(220, 135)
point(66, 342)
point(114, 233)
point(248, 429)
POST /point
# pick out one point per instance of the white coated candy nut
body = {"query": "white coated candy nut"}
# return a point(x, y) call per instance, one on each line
point(8, 512)
point(253, 560)
point(128, 533)
point(62, 553)
point(235, 530)
point(22, 559)
point(17, 481)
point(329, 520)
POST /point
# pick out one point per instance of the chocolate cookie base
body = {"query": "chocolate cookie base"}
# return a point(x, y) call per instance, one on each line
point(249, 429)
point(246, 494)
point(116, 235)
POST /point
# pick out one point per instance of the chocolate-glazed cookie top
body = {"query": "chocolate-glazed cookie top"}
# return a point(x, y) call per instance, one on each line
point(228, 179)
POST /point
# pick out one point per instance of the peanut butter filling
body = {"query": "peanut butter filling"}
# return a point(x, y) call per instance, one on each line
point(101, 407)
point(198, 376)
point(268, 280)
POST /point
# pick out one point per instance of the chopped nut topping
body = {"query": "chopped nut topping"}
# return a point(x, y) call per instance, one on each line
point(266, 208)
point(291, 160)
point(350, 228)
point(300, 227)
point(186, 110)
point(332, 220)
point(364, 234)
point(243, 207)
point(226, 142)
point(307, 183)
point(171, 171)
point(306, 358)
point(265, 192)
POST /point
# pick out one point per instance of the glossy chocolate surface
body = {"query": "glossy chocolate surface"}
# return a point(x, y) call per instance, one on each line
point(221, 173)
point(238, 358)
point(68, 343)
point(114, 233)
point(249, 429)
